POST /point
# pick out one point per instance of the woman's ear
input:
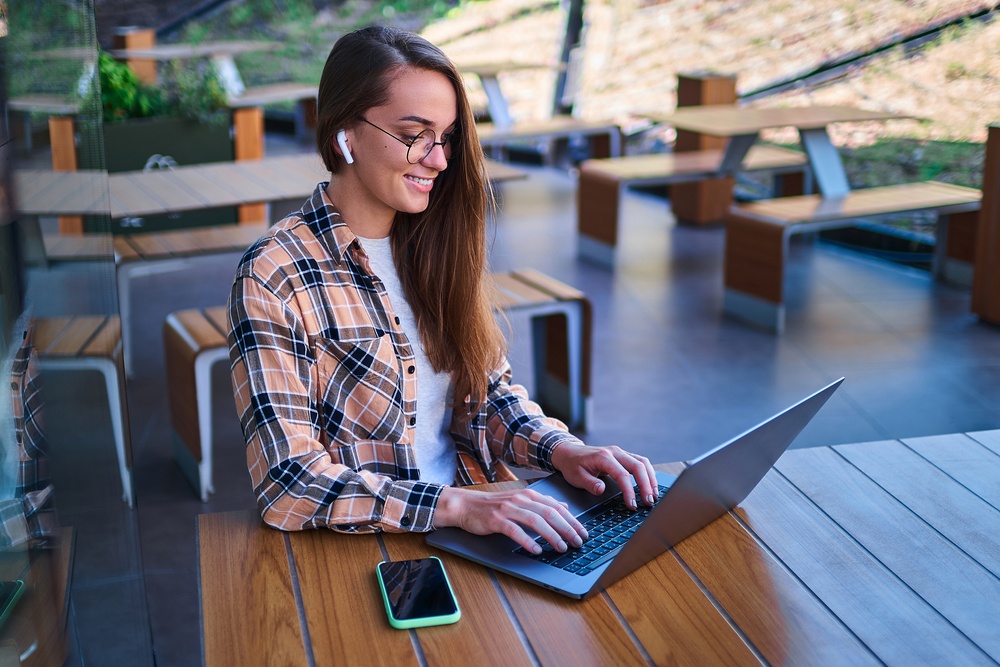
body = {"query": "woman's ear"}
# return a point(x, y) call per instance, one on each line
point(344, 149)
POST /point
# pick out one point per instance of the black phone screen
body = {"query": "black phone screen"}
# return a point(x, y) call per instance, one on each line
point(417, 589)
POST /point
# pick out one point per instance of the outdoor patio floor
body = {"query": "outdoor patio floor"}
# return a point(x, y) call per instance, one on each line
point(671, 378)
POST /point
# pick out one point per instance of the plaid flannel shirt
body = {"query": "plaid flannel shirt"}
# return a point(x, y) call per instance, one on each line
point(325, 387)
point(28, 519)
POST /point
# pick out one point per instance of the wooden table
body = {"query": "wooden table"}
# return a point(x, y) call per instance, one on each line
point(743, 126)
point(876, 553)
point(220, 53)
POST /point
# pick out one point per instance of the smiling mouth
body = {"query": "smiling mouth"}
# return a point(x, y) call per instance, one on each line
point(421, 181)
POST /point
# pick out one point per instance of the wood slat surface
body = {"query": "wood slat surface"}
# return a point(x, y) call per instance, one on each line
point(876, 553)
point(200, 332)
point(858, 203)
point(667, 166)
point(686, 628)
point(563, 631)
point(951, 484)
point(248, 610)
point(207, 49)
point(781, 619)
point(277, 92)
point(219, 317)
point(955, 587)
point(105, 340)
point(74, 335)
point(485, 632)
point(514, 293)
point(725, 120)
point(340, 595)
point(869, 600)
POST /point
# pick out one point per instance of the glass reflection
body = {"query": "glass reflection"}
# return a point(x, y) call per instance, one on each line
point(67, 526)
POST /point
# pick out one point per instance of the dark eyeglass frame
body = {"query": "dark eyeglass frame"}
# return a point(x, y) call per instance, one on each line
point(444, 143)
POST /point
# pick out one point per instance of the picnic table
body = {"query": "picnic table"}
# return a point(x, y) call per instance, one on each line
point(875, 553)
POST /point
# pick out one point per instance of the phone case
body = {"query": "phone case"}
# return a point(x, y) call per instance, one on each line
point(11, 599)
point(425, 621)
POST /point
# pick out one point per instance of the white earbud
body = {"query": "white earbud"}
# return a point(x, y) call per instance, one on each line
point(342, 140)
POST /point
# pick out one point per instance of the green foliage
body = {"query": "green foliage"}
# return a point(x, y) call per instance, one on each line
point(123, 95)
point(190, 90)
point(194, 91)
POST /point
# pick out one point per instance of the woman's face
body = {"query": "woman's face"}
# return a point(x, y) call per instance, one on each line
point(419, 100)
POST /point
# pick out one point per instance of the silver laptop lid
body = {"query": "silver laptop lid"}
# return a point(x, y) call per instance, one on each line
point(715, 483)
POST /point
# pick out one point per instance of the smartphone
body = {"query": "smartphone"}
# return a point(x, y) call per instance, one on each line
point(417, 593)
point(10, 593)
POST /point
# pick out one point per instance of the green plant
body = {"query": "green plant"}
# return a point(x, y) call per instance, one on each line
point(191, 90)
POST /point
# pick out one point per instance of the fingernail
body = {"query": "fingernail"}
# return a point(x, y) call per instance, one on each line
point(632, 504)
point(577, 542)
point(561, 546)
point(649, 499)
point(585, 535)
point(536, 548)
point(599, 487)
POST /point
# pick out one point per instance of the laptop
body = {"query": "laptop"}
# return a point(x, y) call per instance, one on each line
point(707, 488)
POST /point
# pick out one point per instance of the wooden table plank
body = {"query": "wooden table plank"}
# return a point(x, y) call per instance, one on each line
point(344, 609)
point(943, 500)
point(971, 459)
point(988, 439)
point(248, 609)
point(564, 631)
point(485, 635)
point(894, 530)
point(778, 615)
point(884, 613)
point(726, 120)
point(685, 629)
point(136, 194)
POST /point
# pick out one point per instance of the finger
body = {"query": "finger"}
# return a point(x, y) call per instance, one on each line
point(559, 518)
point(645, 478)
point(512, 530)
point(535, 521)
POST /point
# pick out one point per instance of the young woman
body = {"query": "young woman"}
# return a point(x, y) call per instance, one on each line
point(369, 372)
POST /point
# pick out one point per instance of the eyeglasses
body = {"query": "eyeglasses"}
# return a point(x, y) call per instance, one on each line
point(420, 146)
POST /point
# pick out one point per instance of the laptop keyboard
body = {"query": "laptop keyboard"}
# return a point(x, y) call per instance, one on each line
point(609, 526)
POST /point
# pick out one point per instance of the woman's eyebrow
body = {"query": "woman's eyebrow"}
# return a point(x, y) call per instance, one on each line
point(424, 121)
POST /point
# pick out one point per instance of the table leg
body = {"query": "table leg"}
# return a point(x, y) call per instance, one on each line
point(736, 151)
point(229, 76)
point(496, 102)
point(825, 162)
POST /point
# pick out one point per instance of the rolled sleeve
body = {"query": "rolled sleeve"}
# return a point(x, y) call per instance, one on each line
point(517, 430)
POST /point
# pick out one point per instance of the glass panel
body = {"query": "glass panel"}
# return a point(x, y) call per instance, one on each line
point(66, 443)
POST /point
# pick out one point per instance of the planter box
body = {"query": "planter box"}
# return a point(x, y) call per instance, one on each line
point(134, 145)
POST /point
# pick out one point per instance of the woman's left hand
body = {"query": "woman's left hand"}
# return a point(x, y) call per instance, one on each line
point(582, 467)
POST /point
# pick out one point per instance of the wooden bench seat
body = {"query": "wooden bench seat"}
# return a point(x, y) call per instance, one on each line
point(561, 329)
point(94, 343)
point(605, 138)
point(757, 236)
point(601, 183)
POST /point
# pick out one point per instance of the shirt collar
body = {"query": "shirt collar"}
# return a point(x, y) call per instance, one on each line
point(327, 225)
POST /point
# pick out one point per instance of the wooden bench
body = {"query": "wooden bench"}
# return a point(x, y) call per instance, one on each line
point(601, 182)
point(757, 237)
point(92, 343)
point(561, 321)
point(605, 138)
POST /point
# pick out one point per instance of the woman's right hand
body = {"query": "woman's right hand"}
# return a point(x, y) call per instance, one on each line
point(509, 513)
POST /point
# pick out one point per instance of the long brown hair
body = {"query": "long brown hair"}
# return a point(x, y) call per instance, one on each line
point(439, 253)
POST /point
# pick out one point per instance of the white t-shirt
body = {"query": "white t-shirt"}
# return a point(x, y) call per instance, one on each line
point(433, 446)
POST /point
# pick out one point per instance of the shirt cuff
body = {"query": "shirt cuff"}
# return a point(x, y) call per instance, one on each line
point(410, 506)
